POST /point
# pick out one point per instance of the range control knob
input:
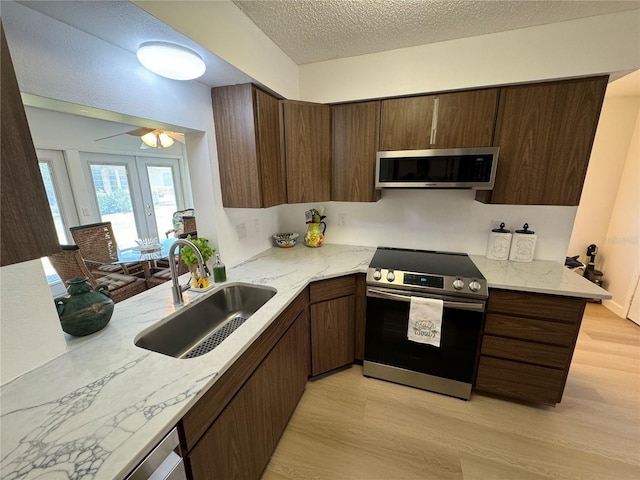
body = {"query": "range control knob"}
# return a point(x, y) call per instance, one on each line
point(458, 284)
point(377, 274)
point(474, 286)
point(391, 276)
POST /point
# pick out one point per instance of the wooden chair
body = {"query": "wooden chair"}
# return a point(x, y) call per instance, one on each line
point(99, 248)
point(70, 264)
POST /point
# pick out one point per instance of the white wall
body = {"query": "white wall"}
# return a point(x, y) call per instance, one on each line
point(620, 252)
point(608, 158)
point(30, 332)
point(449, 220)
point(593, 45)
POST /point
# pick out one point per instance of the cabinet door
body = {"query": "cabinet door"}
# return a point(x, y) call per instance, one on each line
point(27, 228)
point(307, 140)
point(466, 119)
point(332, 334)
point(545, 133)
point(240, 442)
point(355, 131)
point(250, 161)
point(405, 123)
point(271, 165)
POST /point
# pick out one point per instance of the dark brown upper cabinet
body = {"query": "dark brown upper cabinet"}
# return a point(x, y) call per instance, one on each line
point(545, 133)
point(27, 228)
point(448, 120)
point(247, 123)
point(355, 132)
point(307, 141)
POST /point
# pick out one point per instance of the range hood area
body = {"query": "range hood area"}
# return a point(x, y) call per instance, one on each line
point(469, 168)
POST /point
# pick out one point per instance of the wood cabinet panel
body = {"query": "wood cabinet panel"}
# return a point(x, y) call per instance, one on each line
point(523, 351)
point(545, 133)
point(361, 315)
point(273, 175)
point(522, 381)
point(466, 119)
point(251, 165)
point(527, 346)
point(550, 307)
point(332, 288)
point(194, 424)
point(405, 123)
point(355, 133)
point(25, 210)
point(307, 141)
point(332, 334)
point(555, 333)
point(461, 119)
point(242, 439)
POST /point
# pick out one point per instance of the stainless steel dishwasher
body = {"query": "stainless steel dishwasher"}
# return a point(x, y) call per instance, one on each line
point(164, 462)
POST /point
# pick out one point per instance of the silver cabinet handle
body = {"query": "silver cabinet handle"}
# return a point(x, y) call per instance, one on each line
point(472, 306)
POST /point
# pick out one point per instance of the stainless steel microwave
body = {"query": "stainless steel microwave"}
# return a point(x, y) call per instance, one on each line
point(473, 168)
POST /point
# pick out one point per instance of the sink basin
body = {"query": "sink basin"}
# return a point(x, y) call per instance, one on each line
point(199, 328)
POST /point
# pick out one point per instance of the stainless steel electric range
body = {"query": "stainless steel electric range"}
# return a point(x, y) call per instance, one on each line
point(393, 278)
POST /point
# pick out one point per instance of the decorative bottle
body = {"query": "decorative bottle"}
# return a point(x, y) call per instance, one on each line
point(219, 270)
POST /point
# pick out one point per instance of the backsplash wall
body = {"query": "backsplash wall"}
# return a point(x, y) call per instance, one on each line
point(449, 220)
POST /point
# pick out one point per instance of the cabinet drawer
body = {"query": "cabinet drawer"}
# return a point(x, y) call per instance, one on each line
point(520, 380)
point(551, 307)
point(522, 328)
point(333, 288)
point(549, 355)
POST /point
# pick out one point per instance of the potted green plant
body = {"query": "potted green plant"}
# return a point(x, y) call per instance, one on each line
point(189, 257)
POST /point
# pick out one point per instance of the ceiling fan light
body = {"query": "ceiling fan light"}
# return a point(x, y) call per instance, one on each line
point(150, 139)
point(171, 61)
point(165, 140)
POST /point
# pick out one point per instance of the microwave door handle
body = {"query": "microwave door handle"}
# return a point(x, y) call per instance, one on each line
point(476, 307)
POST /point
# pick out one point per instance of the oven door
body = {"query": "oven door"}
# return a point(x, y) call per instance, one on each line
point(386, 340)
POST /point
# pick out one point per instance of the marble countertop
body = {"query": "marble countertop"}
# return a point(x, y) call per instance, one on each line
point(97, 410)
point(539, 276)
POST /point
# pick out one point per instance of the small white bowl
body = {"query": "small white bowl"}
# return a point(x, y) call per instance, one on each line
point(286, 240)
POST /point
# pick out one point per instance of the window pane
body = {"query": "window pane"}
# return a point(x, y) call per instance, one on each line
point(164, 197)
point(45, 171)
point(111, 183)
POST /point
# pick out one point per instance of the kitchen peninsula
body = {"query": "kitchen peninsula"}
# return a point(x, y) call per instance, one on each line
point(97, 410)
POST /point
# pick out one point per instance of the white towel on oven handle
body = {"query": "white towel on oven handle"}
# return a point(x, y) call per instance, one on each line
point(425, 320)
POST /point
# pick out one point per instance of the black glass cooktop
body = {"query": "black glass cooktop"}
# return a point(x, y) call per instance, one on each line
point(427, 262)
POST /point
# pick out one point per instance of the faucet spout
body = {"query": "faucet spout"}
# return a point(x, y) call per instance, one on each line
point(176, 288)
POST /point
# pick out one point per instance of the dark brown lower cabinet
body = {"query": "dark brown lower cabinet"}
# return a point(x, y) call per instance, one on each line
point(241, 440)
point(332, 323)
point(527, 345)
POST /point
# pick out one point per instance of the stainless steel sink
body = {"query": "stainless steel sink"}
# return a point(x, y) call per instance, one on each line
point(199, 328)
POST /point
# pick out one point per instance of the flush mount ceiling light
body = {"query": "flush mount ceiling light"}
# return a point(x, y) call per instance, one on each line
point(171, 61)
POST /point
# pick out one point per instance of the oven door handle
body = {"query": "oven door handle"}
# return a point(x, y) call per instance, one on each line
point(473, 306)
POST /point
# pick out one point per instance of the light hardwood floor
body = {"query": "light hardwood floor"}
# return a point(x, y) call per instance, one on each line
point(351, 427)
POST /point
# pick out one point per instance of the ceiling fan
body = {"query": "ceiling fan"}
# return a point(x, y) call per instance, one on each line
point(152, 138)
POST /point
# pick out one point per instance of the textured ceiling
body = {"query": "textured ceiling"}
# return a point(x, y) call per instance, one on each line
point(317, 30)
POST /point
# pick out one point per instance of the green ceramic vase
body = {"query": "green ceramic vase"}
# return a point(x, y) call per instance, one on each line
point(85, 310)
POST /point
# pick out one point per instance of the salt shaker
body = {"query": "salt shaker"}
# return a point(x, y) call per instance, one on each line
point(499, 244)
point(523, 245)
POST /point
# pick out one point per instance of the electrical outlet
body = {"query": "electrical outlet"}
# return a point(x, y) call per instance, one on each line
point(85, 211)
point(342, 219)
point(241, 228)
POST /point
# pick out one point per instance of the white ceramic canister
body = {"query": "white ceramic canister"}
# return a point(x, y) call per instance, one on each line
point(523, 245)
point(499, 244)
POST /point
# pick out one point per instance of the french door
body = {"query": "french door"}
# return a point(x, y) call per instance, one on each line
point(137, 194)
